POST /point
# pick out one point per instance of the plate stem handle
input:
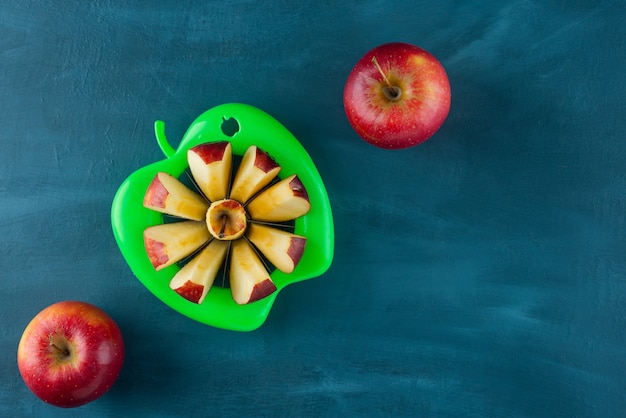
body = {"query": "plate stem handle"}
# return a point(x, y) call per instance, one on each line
point(159, 133)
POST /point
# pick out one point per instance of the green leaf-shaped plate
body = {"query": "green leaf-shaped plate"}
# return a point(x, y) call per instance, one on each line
point(242, 125)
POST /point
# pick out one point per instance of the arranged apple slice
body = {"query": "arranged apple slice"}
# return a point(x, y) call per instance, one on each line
point(195, 279)
point(249, 279)
point(169, 243)
point(226, 217)
point(166, 194)
point(283, 201)
point(283, 249)
point(210, 164)
point(256, 170)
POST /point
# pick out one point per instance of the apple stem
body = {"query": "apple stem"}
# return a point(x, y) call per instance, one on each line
point(224, 219)
point(58, 349)
point(391, 92)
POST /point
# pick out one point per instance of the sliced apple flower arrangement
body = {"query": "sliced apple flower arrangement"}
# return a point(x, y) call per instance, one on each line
point(228, 219)
point(234, 226)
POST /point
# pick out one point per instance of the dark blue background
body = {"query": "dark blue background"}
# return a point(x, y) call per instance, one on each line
point(480, 274)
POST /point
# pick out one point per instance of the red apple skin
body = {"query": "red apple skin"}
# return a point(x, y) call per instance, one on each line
point(190, 291)
point(264, 162)
point(418, 113)
point(211, 152)
point(296, 249)
point(262, 290)
point(157, 252)
point(94, 361)
point(298, 188)
point(156, 194)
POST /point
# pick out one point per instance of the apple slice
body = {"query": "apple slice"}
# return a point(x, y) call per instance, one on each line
point(256, 170)
point(283, 249)
point(166, 194)
point(210, 164)
point(169, 243)
point(249, 279)
point(195, 279)
point(284, 201)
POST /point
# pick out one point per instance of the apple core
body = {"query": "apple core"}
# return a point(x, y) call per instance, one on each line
point(226, 219)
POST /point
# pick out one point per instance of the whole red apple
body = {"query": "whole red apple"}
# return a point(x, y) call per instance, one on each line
point(397, 96)
point(70, 354)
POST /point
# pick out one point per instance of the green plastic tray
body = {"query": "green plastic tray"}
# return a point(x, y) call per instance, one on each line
point(129, 218)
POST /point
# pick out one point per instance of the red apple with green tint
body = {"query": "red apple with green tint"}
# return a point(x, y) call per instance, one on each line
point(397, 96)
point(70, 354)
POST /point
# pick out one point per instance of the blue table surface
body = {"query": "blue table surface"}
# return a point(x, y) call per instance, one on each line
point(480, 274)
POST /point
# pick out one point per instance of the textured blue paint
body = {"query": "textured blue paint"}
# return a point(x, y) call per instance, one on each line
point(481, 274)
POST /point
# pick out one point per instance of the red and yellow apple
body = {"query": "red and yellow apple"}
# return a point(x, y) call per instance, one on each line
point(397, 96)
point(70, 354)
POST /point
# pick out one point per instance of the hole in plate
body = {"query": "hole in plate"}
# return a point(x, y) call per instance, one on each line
point(229, 126)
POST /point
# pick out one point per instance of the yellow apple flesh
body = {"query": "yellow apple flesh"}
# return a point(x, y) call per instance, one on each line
point(249, 279)
point(166, 194)
point(283, 249)
point(195, 279)
point(169, 243)
point(257, 170)
point(210, 164)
